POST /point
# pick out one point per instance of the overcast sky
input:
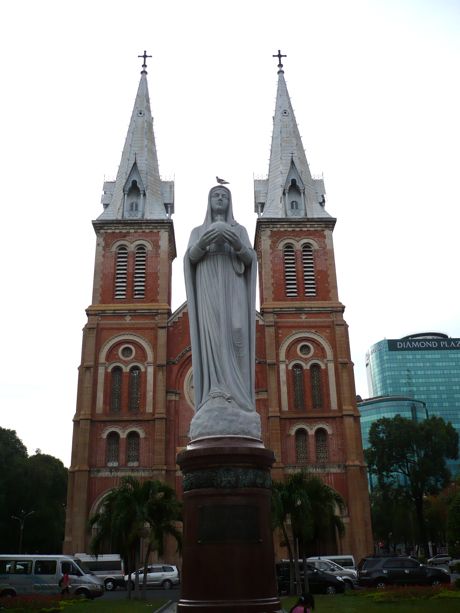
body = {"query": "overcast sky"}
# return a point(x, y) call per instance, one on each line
point(376, 92)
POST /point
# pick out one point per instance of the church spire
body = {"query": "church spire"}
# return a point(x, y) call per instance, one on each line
point(290, 190)
point(138, 192)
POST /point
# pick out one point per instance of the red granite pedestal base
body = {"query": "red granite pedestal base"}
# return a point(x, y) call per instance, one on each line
point(228, 558)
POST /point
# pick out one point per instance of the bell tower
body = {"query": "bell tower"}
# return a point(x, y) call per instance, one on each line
point(121, 424)
point(312, 421)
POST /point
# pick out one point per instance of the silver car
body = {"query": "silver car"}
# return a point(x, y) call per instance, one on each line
point(165, 576)
point(349, 575)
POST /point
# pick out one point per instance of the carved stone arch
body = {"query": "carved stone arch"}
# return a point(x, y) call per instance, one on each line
point(305, 335)
point(142, 242)
point(102, 367)
point(321, 426)
point(138, 364)
point(308, 241)
point(124, 367)
point(288, 241)
point(126, 337)
point(137, 429)
point(97, 502)
point(121, 243)
point(297, 361)
point(316, 361)
point(110, 429)
point(300, 426)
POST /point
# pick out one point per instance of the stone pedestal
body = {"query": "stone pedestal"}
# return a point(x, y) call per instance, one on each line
point(228, 558)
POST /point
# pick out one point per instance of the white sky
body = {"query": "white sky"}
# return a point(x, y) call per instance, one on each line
point(375, 89)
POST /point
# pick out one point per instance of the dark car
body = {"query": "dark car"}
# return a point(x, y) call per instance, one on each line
point(398, 570)
point(319, 582)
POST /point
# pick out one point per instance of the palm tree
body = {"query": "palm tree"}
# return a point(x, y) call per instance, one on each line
point(135, 511)
point(309, 505)
point(163, 511)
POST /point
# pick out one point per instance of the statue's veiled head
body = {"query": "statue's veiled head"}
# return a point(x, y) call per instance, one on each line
point(219, 205)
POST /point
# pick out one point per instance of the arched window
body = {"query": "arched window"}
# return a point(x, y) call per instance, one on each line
point(316, 391)
point(309, 281)
point(121, 272)
point(116, 376)
point(132, 448)
point(301, 447)
point(134, 389)
point(299, 390)
point(113, 448)
point(133, 197)
point(322, 452)
point(290, 277)
point(140, 260)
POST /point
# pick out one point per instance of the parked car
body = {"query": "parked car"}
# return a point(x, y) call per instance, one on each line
point(440, 558)
point(165, 576)
point(349, 575)
point(319, 581)
point(343, 560)
point(398, 570)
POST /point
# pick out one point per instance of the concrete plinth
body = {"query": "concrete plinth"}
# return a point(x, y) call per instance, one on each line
point(228, 558)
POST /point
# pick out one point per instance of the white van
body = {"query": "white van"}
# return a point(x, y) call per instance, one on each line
point(40, 574)
point(107, 566)
point(344, 560)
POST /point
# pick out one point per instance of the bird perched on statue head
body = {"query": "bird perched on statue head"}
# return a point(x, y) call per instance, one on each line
point(221, 181)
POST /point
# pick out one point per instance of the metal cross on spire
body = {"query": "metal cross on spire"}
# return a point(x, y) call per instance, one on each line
point(144, 65)
point(279, 55)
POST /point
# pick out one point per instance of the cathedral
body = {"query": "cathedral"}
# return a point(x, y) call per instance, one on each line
point(135, 396)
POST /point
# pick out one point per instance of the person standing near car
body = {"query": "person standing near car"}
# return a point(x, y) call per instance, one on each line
point(65, 584)
point(305, 604)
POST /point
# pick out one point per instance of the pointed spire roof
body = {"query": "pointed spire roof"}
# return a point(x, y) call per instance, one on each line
point(289, 178)
point(138, 192)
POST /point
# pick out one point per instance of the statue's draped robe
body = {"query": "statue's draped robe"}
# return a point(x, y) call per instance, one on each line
point(221, 304)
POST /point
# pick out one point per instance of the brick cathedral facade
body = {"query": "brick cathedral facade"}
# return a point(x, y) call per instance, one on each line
point(135, 387)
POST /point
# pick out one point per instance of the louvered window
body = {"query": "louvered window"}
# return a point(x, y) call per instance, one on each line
point(134, 389)
point(290, 277)
point(316, 391)
point(115, 389)
point(121, 272)
point(132, 448)
point(299, 390)
point(301, 448)
point(322, 452)
point(309, 281)
point(140, 261)
point(113, 448)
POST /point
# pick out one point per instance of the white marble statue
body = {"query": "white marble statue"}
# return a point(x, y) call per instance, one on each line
point(220, 278)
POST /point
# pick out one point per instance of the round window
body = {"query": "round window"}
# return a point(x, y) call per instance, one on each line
point(305, 349)
point(127, 352)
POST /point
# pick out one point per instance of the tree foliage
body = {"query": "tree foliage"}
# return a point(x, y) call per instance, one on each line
point(132, 512)
point(413, 455)
point(305, 509)
point(32, 490)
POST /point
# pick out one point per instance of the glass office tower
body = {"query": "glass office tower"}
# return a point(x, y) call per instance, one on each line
point(372, 409)
point(422, 366)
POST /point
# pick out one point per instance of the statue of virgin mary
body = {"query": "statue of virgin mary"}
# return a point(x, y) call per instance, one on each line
point(220, 278)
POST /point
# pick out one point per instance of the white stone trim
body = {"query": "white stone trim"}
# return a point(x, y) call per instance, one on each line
point(103, 368)
point(305, 335)
point(110, 429)
point(308, 241)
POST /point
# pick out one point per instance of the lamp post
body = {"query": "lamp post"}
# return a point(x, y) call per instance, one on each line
point(21, 519)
